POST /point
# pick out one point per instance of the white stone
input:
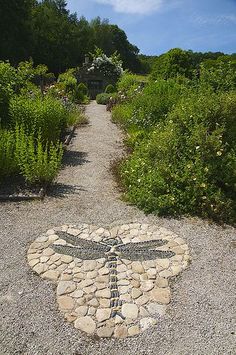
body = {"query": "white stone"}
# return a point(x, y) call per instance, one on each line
point(86, 324)
point(81, 311)
point(129, 310)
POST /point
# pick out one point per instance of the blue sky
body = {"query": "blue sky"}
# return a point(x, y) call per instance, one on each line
point(156, 26)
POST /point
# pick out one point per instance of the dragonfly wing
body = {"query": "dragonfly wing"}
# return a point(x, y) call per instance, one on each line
point(83, 243)
point(81, 253)
point(142, 245)
point(142, 255)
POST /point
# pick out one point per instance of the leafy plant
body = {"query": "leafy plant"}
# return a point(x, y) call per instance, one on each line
point(110, 89)
point(8, 164)
point(103, 98)
point(38, 163)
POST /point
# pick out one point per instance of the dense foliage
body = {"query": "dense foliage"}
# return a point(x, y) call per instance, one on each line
point(32, 124)
point(46, 31)
point(181, 130)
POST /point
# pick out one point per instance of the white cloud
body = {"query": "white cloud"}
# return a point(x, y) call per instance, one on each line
point(140, 7)
point(214, 20)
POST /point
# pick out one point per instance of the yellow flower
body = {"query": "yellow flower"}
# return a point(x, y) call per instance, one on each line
point(219, 153)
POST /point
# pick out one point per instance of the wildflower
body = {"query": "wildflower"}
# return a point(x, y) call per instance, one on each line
point(203, 185)
point(219, 153)
point(197, 147)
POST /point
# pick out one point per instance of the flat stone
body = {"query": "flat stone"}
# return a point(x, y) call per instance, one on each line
point(53, 237)
point(160, 295)
point(142, 300)
point(85, 324)
point(135, 276)
point(33, 256)
point(135, 283)
point(33, 262)
point(123, 282)
point(143, 312)
point(178, 250)
point(65, 287)
point(137, 267)
point(125, 298)
point(91, 311)
point(104, 302)
point(134, 330)
point(100, 286)
point(80, 301)
point(164, 263)
point(66, 259)
point(66, 277)
point(103, 314)
point(124, 289)
point(103, 271)
point(79, 275)
point(121, 268)
point(165, 273)
point(151, 273)
point(146, 323)
point(89, 265)
point(55, 257)
point(129, 310)
point(154, 309)
point(81, 311)
point(103, 279)
point(85, 283)
point(48, 252)
point(92, 274)
point(147, 285)
point(93, 302)
point(50, 231)
point(42, 239)
point(162, 282)
point(143, 277)
point(39, 268)
point(65, 302)
point(136, 292)
point(70, 317)
point(77, 294)
point(105, 293)
point(44, 259)
point(105, 332)
point(51, 275)
point(120, 331)
point(175, 270)
point(90, 289)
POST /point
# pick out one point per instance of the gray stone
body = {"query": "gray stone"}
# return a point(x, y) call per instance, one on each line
point(81, 311)
point(105, 293)
point(160, 295)
point(136, 292)
point(154, 309)
point(105, 332)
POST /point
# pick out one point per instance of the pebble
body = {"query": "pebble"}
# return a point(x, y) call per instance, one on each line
point(103, 314)
point(130, 310)
point(146, 323)
point(160, 295)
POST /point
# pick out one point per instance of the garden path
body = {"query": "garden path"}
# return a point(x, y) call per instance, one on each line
point(200, 318)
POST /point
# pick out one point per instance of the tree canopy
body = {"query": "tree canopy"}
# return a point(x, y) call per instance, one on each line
point(47, 31)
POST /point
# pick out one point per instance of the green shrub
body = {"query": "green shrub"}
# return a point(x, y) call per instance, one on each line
point(8, 164)
point(187, 165)
point(83, 89)
point(103, 98)
point(45, 114)
point(38, 163)
point(110, 89)
point(128, 83)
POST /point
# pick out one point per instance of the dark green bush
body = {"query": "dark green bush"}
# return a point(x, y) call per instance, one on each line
point(103, 98)
point(110, 89)
point(83, 89)
point(8, 79)
point(45, 114)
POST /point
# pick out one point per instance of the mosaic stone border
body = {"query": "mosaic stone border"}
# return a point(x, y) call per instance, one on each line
point(84, 287)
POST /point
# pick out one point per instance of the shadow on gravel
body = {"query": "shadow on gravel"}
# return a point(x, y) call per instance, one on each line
point(73, 158)
point(62, 190)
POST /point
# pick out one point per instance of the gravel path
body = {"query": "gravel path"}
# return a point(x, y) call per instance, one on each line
point(201, 315)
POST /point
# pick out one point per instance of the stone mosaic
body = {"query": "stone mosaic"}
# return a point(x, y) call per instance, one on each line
point(110, 282)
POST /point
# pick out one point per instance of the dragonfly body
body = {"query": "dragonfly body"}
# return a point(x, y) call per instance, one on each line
point(114, 250)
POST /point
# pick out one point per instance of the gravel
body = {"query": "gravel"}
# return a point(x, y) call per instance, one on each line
point(201, 315)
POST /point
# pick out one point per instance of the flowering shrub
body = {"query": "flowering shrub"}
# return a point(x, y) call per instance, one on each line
point(185, 162)
point(109, 66)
